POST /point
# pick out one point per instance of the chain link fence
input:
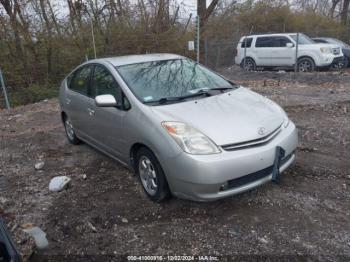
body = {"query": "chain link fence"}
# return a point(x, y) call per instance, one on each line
point(218, 53)
point(222, 52)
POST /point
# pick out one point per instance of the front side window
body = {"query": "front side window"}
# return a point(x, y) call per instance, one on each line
point(281, 41)
point(151, 81)
point(103, 83)
point(80, 80)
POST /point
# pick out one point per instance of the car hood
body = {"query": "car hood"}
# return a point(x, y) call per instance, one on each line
point(228, 118)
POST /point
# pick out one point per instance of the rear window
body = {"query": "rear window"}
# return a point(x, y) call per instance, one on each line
point(80, 80)
point(247, 40)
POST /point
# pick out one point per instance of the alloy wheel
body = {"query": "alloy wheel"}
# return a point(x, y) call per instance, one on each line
point(69, 129)
point(305, 66)
point(248, 65)
point(148, 175)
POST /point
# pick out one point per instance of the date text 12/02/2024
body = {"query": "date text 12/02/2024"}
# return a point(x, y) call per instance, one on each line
point(173, 258)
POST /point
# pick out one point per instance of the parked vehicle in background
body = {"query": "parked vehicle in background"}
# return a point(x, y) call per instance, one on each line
point(182, 128)
point(344, 46)
point(278, 50)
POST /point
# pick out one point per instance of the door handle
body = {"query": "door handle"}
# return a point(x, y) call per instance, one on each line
point(68, 101)
point(91, 112)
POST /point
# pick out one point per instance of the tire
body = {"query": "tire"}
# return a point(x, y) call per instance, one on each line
point(306, 64)
point(248, 64)
point(68, 127)
point(151, 176)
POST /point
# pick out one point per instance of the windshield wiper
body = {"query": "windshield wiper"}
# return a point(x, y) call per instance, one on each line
point(223, 88)
point(179, 98)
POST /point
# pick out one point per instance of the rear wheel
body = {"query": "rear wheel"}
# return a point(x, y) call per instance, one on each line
point(248, 64)
point(151, 176)
point(306, 64)
point(68, 127)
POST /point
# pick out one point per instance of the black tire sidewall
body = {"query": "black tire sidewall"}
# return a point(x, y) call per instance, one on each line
point(163, 191)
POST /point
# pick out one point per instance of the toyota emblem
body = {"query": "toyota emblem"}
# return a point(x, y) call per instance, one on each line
point(262, 131)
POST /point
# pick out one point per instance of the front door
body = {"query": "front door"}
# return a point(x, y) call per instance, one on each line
point(106, 126)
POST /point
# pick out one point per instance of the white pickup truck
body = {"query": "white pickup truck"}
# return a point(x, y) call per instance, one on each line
point(278, 50)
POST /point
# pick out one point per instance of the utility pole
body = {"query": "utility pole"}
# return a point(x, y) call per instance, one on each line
point(296, 54)
point(197, 36)
point(4, 90)
point(93, 37)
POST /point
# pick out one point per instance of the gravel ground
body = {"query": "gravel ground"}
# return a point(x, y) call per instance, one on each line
point(106, 214)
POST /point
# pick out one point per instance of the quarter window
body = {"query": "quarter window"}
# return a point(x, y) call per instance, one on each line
point(248, 41)
point(80, 80)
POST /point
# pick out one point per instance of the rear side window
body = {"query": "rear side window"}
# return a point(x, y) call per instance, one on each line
point(264, 42)
point(247, 40)
point(80, 80)
point(272, 41)
point(103, 83)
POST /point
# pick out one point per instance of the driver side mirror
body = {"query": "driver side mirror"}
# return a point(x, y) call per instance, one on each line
point(106, 101)
point(290, 45)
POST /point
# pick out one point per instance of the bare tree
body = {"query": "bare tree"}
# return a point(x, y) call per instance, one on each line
point(204, 13)
point(344, 12)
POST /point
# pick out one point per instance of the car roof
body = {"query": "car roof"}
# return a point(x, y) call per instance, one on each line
point(133, 59)
point(274, 34)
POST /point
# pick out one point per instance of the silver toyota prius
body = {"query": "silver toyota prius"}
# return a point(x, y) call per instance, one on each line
point(185, 130)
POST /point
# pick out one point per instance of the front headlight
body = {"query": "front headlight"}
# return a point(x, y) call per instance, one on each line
point(189, 139)
point(326, 50)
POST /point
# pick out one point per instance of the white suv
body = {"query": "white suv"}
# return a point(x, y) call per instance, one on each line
point(278, 50)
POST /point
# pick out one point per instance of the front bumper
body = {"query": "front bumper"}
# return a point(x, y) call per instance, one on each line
point(211, 177)
point(337, 60)
point(329, 60)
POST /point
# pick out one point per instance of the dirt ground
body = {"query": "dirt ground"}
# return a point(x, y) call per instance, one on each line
point(306, 217)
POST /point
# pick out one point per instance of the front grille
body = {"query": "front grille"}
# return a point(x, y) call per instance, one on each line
point(247, 179)
point(253, 143)
point(336, 51)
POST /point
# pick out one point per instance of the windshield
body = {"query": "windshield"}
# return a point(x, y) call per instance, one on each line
point(303, 39)
point(152, 81)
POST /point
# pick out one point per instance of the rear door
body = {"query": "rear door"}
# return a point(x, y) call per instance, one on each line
point(273, 51)
point(76, 96)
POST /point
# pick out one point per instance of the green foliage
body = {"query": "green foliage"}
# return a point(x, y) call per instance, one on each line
point(268, 16)
point(32, 94)
point(36, 62)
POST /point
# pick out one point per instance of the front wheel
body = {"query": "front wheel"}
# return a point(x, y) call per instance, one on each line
point(151, 176)
point(306, 64)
